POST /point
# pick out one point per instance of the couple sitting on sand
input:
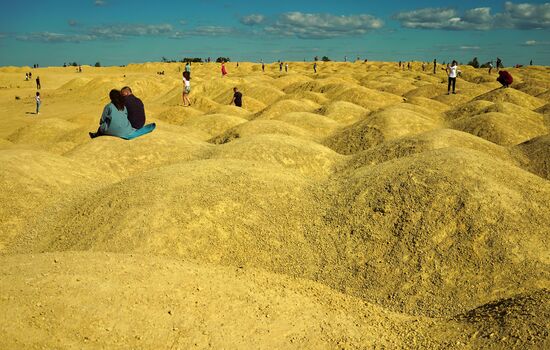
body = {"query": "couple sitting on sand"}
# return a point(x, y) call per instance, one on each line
point(122, 116)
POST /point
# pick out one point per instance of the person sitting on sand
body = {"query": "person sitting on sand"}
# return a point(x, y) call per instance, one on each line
point(186, 88)
point(114, 119)
point(237, 98)
point(135, 108)
point(505, 78)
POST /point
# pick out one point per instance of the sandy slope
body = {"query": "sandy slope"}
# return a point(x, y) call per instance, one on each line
point(360, 207)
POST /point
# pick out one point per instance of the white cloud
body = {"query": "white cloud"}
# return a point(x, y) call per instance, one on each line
point(72, 23)
point(212, 31)
point(514, 16)
point(55, 37)
point(322, 26)
point(100, 2)
point(124, 30)
point(252, 20)
point(470, 47)
point(531, 42)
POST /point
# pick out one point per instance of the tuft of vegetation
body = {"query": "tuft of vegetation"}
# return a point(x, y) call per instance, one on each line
point(97, 64)
point(325, 59)
point(192, 59)
point(474, 63)
point(223, 59)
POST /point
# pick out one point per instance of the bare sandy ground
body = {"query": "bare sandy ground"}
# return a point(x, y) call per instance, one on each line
point(360, 207)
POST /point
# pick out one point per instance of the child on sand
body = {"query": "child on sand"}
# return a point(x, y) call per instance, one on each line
point(237, 98)
point(38, 102)
point(186, 88)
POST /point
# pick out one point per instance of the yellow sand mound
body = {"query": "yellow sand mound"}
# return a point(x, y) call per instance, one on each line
point(513, 96)
point(260, 127)
point(435, 233)
point(538, 155)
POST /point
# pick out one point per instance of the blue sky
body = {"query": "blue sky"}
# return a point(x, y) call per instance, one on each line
point(116, 32)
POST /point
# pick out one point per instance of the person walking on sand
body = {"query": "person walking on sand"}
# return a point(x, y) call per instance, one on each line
point(135, 108)
point(452, 72)
point(38, 86)
point(114, 119)
point(188, 68)
point(224, 71)
point(435, 65)
point(280, 66)
point(263, 67)
point(315, 67)
point(286, 67)
point(237, 98)
point(490, 67)
point(423, 66)
point(38, 102)
point(186, 89)
point(499, 63)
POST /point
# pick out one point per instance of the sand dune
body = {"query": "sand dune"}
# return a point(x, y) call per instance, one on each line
point(359, 207)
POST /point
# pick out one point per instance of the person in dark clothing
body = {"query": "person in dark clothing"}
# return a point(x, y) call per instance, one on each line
point(237, 98)
point(136, 110)
point(38, 86)
point(435, 64)
point(505, 78)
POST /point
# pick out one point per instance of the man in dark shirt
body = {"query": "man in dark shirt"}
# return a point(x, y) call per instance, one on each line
point(134, 106)
point(237, 98)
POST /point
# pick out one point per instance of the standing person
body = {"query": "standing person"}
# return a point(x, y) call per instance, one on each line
point(280, 66)
point(26, 76)
point(224, 71)
point(423, 66)
point(114, 119)
point(188, 68)
point(237, 98)
point(286, 67)
point(38, 86)
point(134, 107)
point(435, 65)
point(490, 67)
point(38, 102)
point(400, 64)
point(499, 64)
point(315, 67)
point(452, 72)
point(531, 62)
point(186, 89)
point(263, 67)
point(409, 65)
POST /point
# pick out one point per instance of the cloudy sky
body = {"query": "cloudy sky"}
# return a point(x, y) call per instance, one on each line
point(117, 32)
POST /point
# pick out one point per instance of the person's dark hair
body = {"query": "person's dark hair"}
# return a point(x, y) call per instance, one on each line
point(186, 75)
point(37, 93)
point(116, 99)
point(454, 63)
point(126, 88)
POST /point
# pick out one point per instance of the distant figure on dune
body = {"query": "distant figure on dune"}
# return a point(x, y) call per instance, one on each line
point(224, 71)
point(505, 78)
point(38, 86)
point(263, 67)
point(26, 76)
point(499, 64)
point(114, 119)
point(399, 64)
point(280, 66)
point(237, 98)
point(531, 62)
point(452, 72)
point(409, 65)
point(38, 102)
point(286, 67)
point(315, 67)
point(423, 66)
point(135, 108)
point(490, 67)
point(435, 65)
point(188, 68)
point(186, 89)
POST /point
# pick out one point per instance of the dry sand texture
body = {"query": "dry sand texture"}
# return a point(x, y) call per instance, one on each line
point(357, 208)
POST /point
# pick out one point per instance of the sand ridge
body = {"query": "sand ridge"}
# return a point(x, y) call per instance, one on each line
point(359, 207)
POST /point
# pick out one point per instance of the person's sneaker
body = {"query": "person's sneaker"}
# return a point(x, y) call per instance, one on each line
point(454, 93)
point(92, 135)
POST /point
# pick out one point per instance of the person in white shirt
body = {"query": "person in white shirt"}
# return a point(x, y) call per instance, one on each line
point(186, 88)
point(38, 102)
point(452, 72)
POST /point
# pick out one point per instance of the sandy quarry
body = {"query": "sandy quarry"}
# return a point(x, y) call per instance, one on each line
point(357, 208)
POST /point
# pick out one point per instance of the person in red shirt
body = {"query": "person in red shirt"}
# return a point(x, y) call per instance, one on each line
point(224, 71)
point(505, 78)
